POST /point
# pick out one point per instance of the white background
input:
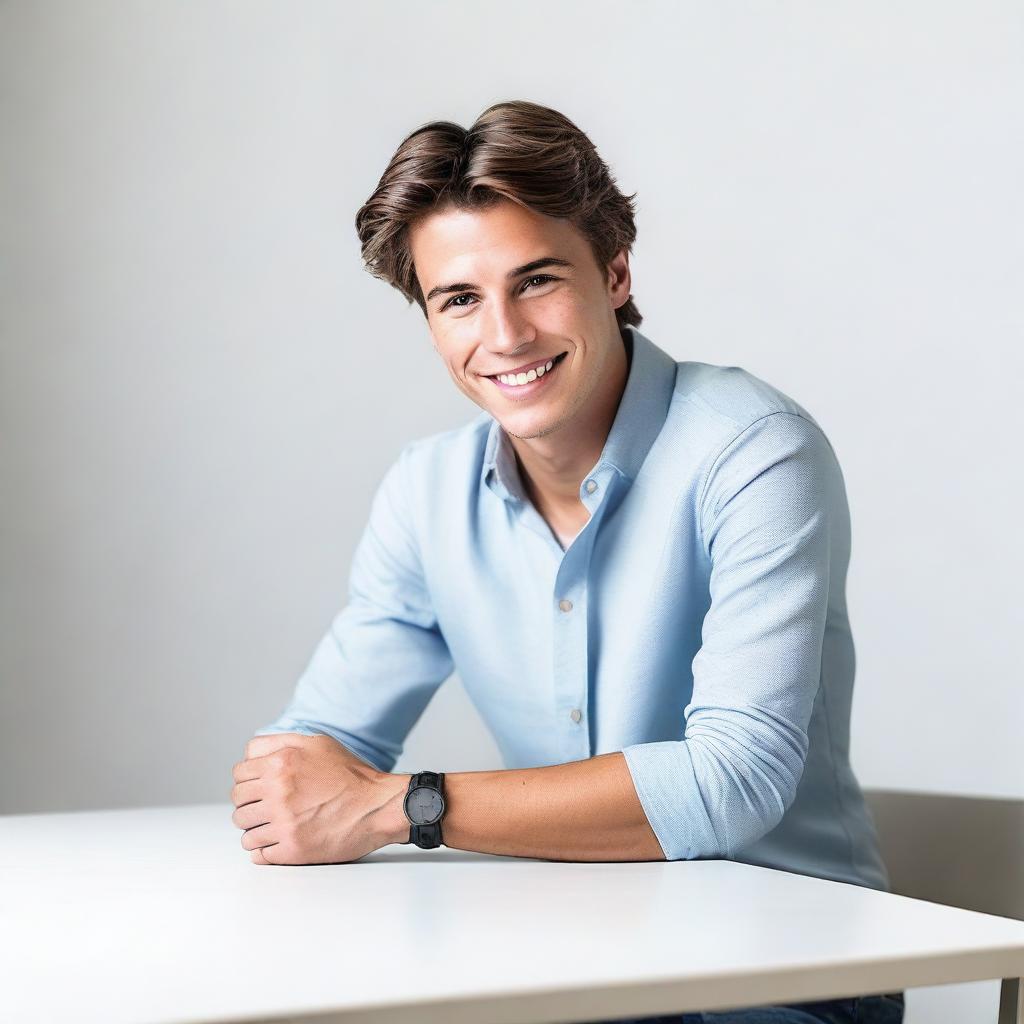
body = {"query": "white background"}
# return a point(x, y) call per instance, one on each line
point(200, 387)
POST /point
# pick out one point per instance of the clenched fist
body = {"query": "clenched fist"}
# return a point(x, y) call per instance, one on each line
point(310, 800)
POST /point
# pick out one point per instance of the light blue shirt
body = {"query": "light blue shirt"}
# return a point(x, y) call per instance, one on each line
point(697, 623)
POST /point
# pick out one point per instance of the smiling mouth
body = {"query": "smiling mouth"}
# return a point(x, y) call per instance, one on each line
point(554, 364)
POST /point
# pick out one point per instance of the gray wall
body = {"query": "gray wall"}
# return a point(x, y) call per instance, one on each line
point(200, 387)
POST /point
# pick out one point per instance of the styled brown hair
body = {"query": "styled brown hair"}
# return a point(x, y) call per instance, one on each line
point(521, 151)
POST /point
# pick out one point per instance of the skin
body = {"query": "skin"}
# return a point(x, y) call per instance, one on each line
point(308, 799)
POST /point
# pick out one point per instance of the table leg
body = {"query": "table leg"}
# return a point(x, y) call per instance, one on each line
point(1011, 1002)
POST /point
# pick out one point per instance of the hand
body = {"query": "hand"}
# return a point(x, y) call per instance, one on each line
point(310, 800)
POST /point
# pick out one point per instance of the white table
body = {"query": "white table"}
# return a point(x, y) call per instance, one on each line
point(159, 915)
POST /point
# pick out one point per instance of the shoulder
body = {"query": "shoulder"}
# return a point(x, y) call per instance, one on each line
point(730, 396)
point(720, 408)
point(739, 426)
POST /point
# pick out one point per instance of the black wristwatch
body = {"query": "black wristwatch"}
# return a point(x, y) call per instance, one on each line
point(424, 807)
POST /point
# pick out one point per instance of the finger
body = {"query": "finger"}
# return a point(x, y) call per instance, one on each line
point(258, 767)
point(251, 815)
point(259, 855)
point(243, 793)
point(244, 771)
point(258, 835)
point(258, 746)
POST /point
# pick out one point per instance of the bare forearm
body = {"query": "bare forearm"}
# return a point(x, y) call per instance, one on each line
point(580, 811)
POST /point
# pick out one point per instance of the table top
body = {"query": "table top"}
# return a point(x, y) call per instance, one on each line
point(157, 915)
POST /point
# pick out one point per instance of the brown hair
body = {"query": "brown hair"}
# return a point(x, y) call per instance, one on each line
point(521, 151)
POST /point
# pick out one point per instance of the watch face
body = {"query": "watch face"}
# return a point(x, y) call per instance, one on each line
point(423, 805)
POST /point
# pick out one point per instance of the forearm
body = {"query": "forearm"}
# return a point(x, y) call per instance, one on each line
point(580, 811)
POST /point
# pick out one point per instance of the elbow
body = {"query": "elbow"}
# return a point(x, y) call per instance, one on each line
point(747, 787)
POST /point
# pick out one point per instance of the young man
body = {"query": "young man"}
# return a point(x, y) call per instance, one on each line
point(636, 565)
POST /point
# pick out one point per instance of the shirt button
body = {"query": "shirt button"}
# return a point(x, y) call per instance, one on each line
point(591, 486)
point(565, 605)
point(575, 714)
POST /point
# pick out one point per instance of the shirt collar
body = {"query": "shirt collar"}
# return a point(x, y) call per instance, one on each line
point(638, 421)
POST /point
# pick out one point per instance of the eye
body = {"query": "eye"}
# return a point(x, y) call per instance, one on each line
point(540, 277)
point(543, 278)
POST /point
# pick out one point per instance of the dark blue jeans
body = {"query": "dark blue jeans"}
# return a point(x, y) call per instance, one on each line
point(880, 1009)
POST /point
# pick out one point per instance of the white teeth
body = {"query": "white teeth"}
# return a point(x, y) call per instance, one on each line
point(514, 380)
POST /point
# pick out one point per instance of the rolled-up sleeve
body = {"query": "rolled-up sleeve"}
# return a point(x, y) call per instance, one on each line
point(774, 518)
point(383, 657)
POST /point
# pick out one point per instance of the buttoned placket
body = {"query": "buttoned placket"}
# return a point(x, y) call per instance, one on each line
point(569, 606)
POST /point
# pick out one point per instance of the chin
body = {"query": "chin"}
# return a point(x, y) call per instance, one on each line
point(527, 428)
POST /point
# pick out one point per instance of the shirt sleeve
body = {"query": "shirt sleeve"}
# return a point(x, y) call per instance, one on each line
point(775, 525)
point(383, 657)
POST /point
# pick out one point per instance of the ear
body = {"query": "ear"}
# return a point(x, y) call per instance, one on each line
point(619, 279)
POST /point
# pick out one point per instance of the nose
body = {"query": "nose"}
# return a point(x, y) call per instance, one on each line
point(507, 331)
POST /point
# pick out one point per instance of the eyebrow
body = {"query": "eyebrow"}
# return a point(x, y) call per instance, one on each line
point(526, 268)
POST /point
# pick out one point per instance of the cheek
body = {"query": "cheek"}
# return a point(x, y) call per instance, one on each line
point(564, 305)
point(565, 315)
point(461, 373)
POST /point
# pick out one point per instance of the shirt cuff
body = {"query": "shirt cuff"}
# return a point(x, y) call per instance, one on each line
point(665, 782)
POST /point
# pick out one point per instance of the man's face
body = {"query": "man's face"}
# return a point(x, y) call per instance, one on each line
point(499, 317)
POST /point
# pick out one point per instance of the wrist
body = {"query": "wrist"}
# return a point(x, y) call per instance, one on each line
point(389, 820)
